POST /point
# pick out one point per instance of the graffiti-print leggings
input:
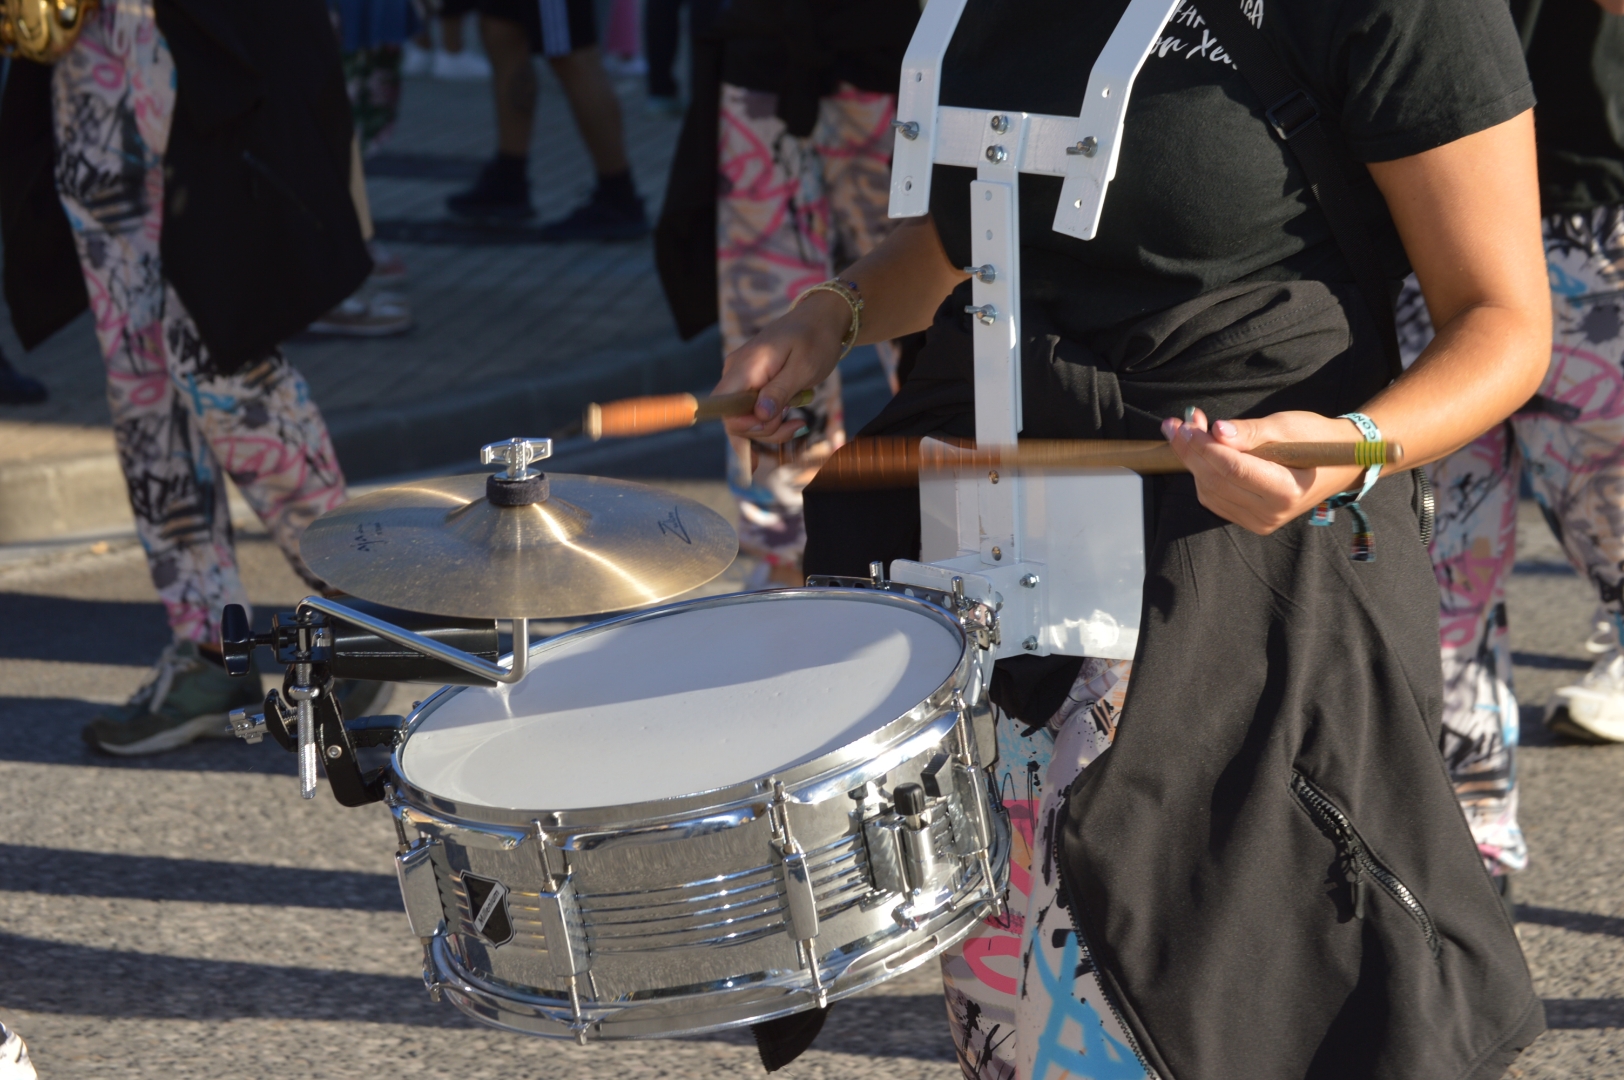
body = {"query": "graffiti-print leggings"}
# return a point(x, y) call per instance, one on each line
point(1570, 442)
point(180, 427)
point(790, 211)
point(1019, 999)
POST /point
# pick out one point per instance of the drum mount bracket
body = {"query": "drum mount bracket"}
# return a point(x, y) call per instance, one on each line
point(306, 717)
point(977, 615)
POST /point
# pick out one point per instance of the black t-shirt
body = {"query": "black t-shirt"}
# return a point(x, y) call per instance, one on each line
point(1576, 59)
point(1205, 194)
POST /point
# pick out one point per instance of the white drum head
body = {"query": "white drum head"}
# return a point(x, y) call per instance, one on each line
point(697, 699)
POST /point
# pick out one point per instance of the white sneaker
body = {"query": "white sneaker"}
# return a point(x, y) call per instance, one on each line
point(14, 1063)
point(462, 66)
point(1592, 710)
point(415, 60)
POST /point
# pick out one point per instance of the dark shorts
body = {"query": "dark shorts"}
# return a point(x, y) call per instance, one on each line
point(555, 27)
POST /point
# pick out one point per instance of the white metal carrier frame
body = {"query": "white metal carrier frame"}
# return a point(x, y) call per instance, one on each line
point(1062, 552)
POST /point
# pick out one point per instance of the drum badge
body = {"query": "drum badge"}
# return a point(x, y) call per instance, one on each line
point(488, 901)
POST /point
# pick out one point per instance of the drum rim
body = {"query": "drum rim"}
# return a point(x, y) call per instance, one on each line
point(838, 771)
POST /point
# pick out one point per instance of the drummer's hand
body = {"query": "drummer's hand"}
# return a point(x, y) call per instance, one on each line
point(795, 352)
point(1259, 495)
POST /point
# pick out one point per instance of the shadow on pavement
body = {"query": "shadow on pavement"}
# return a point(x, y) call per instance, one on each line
point(1579, 921)
point(67, 630)
point(56, 872)
point(47, 976)
point(1584, 1013)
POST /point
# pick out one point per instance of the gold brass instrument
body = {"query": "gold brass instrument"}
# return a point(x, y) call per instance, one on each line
point(41, 30)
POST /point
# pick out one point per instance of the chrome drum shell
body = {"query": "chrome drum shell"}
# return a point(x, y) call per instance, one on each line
point(720, 908)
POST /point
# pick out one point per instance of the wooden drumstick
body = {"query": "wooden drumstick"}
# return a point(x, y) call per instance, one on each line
point(668, 412)
point(896, 462)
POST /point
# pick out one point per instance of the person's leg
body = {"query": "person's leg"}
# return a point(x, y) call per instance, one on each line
point(772, 243)
point(1003, 986)
point(596, 108)
point(854, 138)
point(111, 118)
point(1573, 439)
point(1473, 547)
point(614, 211)
point(662, 29)
point(502, 191)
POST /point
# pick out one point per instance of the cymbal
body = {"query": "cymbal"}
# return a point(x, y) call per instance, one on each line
point(593, 545)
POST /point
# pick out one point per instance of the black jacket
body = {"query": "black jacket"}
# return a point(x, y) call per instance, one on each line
point(260, 235)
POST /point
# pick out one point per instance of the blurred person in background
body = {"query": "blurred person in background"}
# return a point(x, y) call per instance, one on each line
point(14, 1062)
point(183, 171)
point(450, 60)
point(566, 33)
point(662, 36)
point(1568, 440)
point(782, 176)
point(372, 37)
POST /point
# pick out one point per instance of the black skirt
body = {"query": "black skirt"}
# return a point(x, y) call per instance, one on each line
point(1269, 864)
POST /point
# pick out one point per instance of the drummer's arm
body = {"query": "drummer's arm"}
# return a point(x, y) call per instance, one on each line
point(902, 282)
point(1468, 213)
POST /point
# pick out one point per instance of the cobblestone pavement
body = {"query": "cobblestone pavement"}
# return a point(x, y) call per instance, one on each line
point(189, 916)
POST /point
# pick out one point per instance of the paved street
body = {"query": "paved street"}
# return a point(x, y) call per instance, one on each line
point(189, 915)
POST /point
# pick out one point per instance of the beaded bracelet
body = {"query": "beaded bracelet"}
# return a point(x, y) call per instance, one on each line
point(847, 291)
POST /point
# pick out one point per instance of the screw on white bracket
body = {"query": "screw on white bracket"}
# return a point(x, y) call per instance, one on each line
point(986, 313)
point(516, 453)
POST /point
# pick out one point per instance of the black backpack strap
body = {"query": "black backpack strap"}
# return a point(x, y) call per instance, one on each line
point(1293, 114)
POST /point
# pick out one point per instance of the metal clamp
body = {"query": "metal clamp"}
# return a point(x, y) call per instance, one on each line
point(908, 129)
point(516, 453)
point(987, 273)
point(985, 313)
point(249, 727)
point(1086, 147)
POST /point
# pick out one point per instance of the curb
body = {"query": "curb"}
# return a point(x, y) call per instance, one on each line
point(84, 497)
point(373, 443)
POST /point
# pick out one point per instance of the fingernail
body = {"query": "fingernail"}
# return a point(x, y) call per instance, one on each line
point(1188, 431)
point(802, 431)
point(1189, 414)
point(1226, 429)
point(1169, 427)
point(766, 408)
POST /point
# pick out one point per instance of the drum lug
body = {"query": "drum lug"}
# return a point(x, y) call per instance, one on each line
point(799, 895)
point(420, 889)
point(561, 925)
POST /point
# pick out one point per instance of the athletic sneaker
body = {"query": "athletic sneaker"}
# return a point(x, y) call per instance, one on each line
point(186, 699)
point(416, 60)
point(388, 268)
point(599, 218)
point(462, 66)
point(1592, 710)
point(502, 193)
point(382, 314)
point(14, 1063)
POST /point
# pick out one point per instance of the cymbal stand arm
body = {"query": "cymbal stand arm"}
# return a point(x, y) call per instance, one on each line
point(429, 647)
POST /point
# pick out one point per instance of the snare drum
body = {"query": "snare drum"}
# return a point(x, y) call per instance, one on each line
point(703, 815)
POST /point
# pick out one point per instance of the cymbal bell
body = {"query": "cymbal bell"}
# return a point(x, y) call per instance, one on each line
point(438, 546)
